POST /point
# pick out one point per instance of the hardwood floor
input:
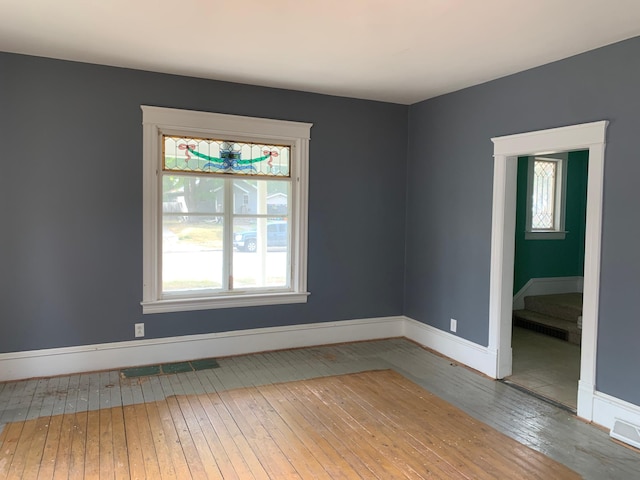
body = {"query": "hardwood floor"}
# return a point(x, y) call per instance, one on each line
point(364, 425)
point(175, 426)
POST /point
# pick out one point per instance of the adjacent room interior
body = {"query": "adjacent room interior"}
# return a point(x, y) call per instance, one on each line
point(549, 274)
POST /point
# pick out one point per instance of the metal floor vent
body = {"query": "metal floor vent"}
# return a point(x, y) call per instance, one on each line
point(626, 432)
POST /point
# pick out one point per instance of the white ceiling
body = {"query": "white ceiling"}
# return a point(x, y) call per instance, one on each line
point(399, 51)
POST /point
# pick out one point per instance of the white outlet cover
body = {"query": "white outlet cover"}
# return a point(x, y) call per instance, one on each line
point(139, 330)
point(454, 325)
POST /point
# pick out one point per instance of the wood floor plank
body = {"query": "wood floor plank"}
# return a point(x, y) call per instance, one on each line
point(241, 468)
point(35, 404)
point(442, 425)
point(343, 428)
point(217, 448)
point(92, 445)
point(106, 461)
point(378, 445)
point(265, 448)
point(71, 399)
point(207, 457)
point(78, 446)
point(6, 415)
point(176, 453)
point(288, 441)
point(82, 400)
point(442, 409)
point(196, 468)
point(411, 456)
point(326, 454)
point(50, 393)
point(314, 418)
point(120, 449)
point(391, 416)
point(335, 445)
point(63, 452)
point(229, 430)
point(18, 461)
point(149, 454)
point(165, 463)
point(498, 462)
point(134, 445)
point(34, 455)
point(10, 438)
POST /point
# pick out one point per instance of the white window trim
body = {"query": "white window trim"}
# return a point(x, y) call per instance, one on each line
point(158, 121)
point(558, 232)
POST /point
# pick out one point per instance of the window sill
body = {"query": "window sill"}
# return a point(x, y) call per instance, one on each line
point(231, 301)
point(551, 235)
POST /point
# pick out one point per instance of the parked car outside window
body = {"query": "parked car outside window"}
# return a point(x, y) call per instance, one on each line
point(277, 236)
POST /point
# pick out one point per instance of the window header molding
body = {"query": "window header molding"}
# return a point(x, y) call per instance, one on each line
point(178, 120)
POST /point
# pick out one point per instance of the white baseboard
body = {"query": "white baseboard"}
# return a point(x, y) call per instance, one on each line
point(547, 286)
point(586, 392)
point(69, 360)
point(463, 351)
point(607, 408)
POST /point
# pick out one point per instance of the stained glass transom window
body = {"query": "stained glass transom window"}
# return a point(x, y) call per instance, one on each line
point(211, 156)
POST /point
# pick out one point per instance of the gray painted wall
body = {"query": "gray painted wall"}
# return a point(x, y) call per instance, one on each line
point(450, 172)
point(71, 199)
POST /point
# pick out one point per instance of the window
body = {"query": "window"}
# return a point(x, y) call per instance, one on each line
point(546, 186)
point(212, 235)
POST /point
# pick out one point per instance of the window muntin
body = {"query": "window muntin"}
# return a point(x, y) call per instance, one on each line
point(546, 186)
point(228, 197)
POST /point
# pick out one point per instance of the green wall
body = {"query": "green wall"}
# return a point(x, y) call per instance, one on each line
point(553, 258)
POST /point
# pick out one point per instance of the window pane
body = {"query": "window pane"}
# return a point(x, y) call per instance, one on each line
point(191, 252)
point(261, 252)
point(262, 197)
point(218, 156)
point(544, 195)
point(182, 193)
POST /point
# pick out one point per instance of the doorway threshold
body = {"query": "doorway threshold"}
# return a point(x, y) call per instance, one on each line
point(537, 395)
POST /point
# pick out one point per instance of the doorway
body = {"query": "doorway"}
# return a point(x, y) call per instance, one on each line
point(591, 137)
point(551, 197)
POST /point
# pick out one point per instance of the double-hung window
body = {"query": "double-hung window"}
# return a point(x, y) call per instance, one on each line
point(546, 188)
point(225, 210)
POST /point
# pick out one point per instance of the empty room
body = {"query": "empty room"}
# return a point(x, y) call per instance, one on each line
point(319, 239)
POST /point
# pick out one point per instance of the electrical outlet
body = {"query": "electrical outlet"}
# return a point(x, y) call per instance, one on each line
point(139, 330)
point(454, 325)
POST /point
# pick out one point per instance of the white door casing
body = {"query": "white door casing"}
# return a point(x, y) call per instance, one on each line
point(507, 149)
